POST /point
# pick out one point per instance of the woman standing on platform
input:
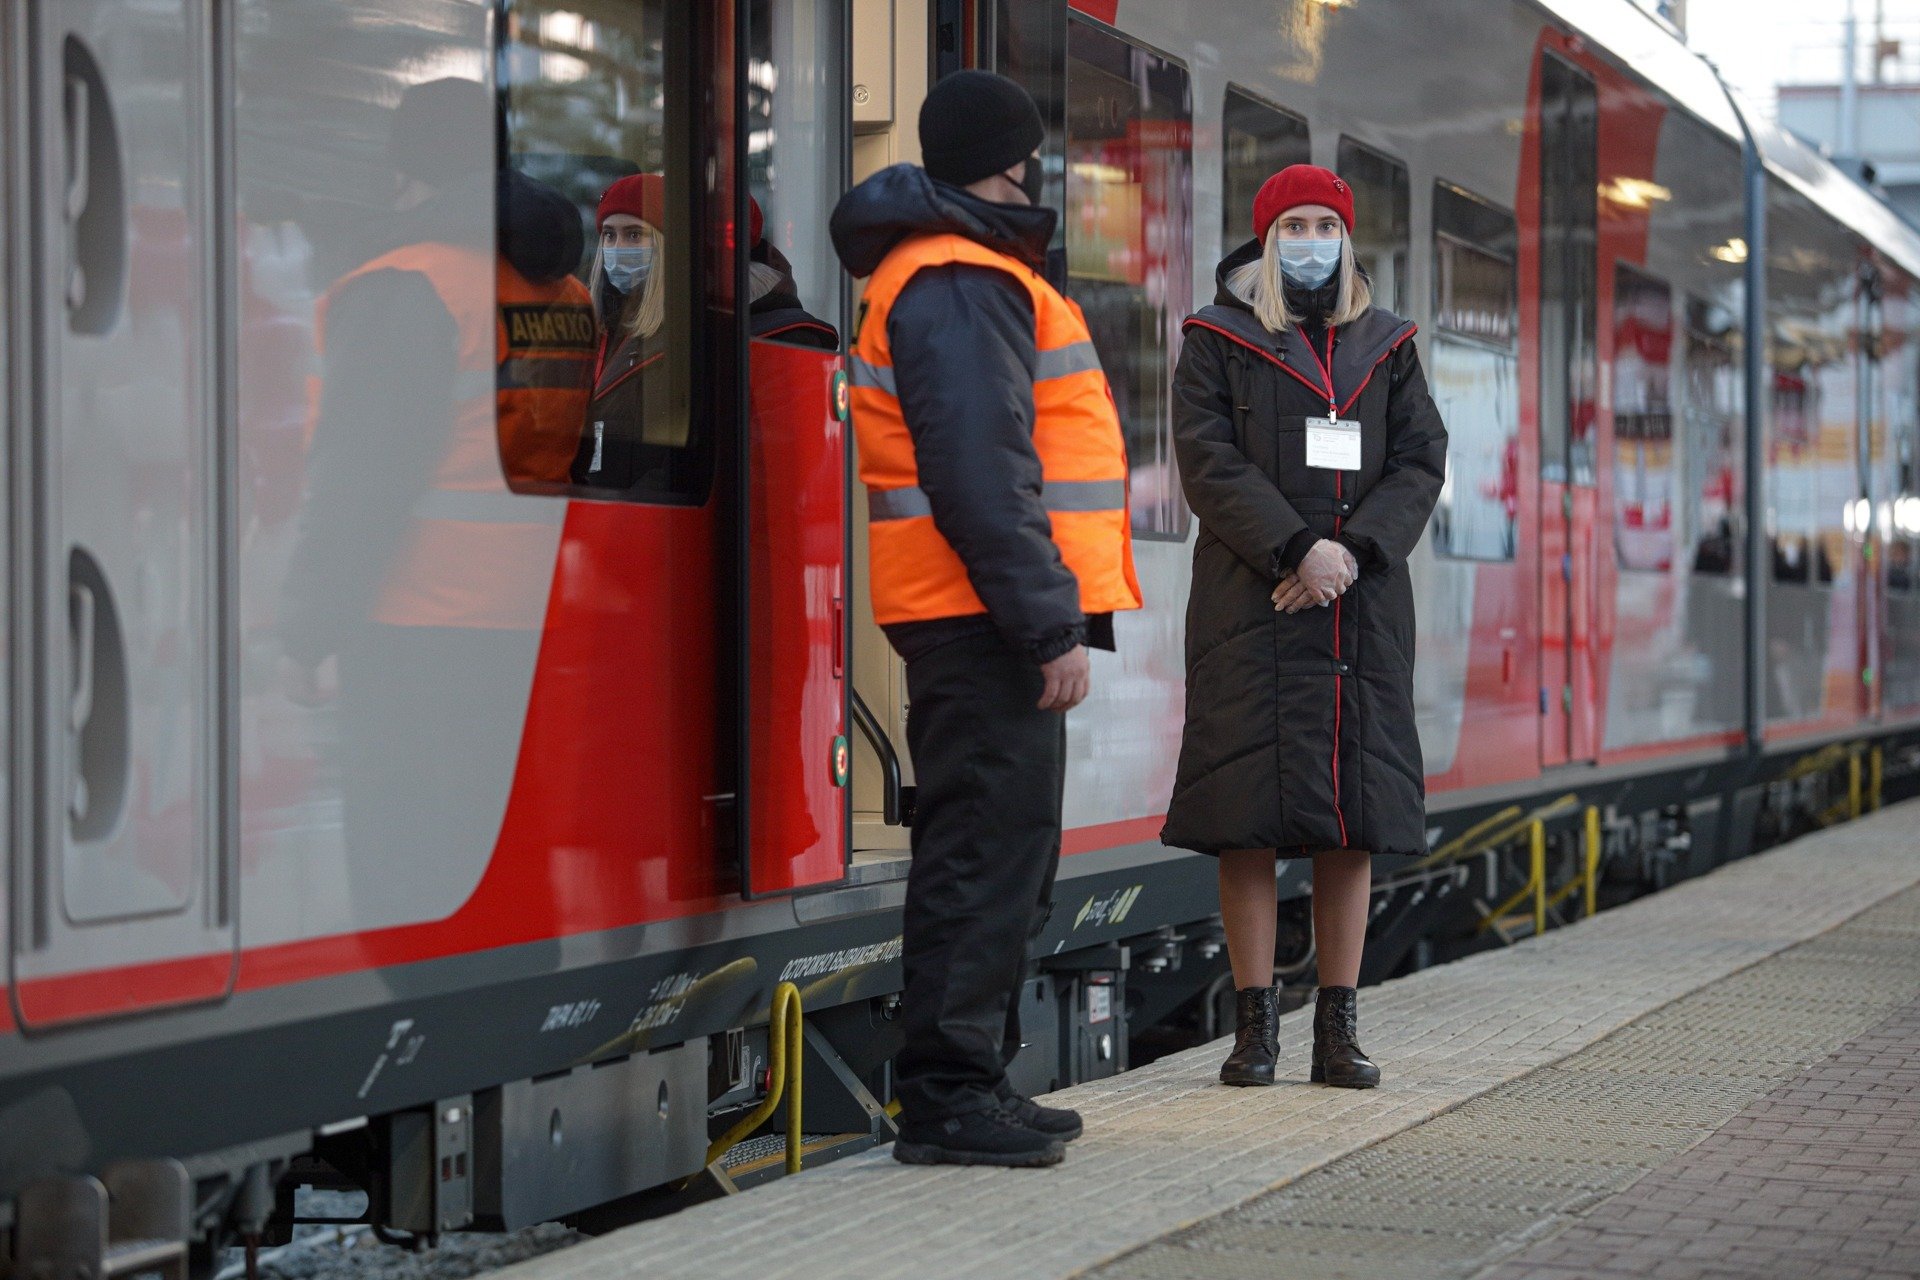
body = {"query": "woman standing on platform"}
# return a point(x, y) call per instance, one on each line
point(1312, 455)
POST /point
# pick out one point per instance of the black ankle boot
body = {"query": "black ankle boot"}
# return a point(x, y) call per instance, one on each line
point(1337, 1059)
point(1256, 1040)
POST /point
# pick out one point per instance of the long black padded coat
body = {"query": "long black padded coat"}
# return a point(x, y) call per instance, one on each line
point(1300, 731)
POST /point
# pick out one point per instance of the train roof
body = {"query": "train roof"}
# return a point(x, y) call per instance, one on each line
point(1655, 52)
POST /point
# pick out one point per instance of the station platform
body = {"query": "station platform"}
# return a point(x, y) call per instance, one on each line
point(1719, 1080)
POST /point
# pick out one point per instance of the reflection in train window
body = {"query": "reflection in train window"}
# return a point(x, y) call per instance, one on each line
point(1475, 374)
point(1643, 444)
point(1129, 243)
point(1382, 219)
point(796, 142)
point(597, 105)
point(1713, 435)
point(1257, 141)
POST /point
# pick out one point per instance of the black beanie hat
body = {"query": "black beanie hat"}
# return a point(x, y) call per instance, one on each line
point(975, 124)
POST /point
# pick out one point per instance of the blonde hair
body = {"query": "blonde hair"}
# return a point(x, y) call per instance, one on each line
point(642, 316)
point(1263, 287)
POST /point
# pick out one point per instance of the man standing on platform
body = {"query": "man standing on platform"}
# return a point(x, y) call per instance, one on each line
point(1000, 548)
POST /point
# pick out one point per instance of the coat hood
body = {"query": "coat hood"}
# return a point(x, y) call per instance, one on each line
point(784, 293)
point(1311, 303)
point(903, 201)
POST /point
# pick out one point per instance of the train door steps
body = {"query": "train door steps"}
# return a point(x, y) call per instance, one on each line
point(1168, 1148)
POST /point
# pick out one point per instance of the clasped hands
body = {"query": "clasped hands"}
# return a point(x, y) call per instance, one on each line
point(1325, 572)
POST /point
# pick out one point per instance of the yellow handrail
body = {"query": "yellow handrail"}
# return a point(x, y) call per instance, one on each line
point(1593, 860)
point(1536, 885)
point(1538, 858)
point(786, 1047)
point(1853, 784)
point(1876, 767)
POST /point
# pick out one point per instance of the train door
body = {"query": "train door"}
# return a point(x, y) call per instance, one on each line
point(1569, 135)
point(124, 892)
point(793, 111)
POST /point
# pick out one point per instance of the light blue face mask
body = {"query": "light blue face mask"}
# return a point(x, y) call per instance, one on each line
point(1309, 264)
point(628, 266)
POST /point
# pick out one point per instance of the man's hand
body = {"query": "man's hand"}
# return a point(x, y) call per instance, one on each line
point(1068, 677)
point(1326, 571)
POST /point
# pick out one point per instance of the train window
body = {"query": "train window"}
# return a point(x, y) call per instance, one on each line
point(1475, 374)
point(1712, 433)
point(1129, 243)
point(1257, 141)
point(1643, 444)
point(1382, 219)
point(797, 127)
point(597, 107)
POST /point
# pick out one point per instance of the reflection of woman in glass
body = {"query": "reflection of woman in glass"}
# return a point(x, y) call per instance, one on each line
point(629, 297)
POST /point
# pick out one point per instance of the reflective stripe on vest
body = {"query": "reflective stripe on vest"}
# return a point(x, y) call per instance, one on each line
point(475, 554)
point(916, 575)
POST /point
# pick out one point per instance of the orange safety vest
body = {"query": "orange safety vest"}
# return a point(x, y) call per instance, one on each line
point(476, 554)
point(916, 576)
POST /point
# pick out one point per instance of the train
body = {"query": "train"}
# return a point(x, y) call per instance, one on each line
point(441, 828)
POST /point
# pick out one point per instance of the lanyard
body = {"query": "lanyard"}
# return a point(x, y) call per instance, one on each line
point(1326, 372)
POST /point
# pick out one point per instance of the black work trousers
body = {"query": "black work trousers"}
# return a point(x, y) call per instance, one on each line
point(989, 768)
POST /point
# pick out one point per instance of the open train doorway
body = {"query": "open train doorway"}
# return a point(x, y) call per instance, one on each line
point(894, 51)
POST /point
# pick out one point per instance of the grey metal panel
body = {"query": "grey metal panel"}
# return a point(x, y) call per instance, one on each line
point(551, 1146)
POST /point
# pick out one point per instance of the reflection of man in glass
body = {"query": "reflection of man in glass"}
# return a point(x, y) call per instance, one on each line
point(628, 285)
point(415, 571)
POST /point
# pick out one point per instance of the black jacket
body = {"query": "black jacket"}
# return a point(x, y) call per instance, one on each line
point(777, 315)
point(964, 352)
point(1300, 730)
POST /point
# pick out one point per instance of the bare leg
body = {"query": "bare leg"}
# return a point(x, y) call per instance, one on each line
point(1342, 881)
point(1248, 910)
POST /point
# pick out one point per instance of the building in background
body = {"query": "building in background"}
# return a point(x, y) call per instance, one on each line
point(1884, 147)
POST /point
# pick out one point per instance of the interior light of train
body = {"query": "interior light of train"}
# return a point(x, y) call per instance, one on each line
point(1734, 250)
point(1633, 193)
point(1906, 514)
point(1857, 516)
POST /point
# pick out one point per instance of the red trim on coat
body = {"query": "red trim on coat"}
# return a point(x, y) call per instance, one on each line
point(1338, 681)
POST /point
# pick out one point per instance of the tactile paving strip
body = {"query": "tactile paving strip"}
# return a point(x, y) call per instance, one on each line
point(1454, 1195)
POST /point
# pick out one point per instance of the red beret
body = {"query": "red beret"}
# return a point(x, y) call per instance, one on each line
point(1299, 184)
point(640, 195)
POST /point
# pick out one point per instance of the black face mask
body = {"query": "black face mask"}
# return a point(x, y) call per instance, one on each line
point(1034, 180)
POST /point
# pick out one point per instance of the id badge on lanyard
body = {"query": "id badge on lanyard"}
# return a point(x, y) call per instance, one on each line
point(1333, 442)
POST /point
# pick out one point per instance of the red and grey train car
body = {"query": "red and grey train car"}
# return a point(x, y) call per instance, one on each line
point(452, 828)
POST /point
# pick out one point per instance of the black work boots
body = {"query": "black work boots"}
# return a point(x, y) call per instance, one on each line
point(1256, 1038)
point(1337, 1059)
point(993, 1136)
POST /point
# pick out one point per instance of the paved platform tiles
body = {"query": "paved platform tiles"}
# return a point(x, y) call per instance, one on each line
point(1167, 1147)
point(1544, 1155)
point(1818, 1180)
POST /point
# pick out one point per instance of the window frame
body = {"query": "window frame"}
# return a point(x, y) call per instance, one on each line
point(1229, 240)
point(1676, 445)
point(1503, 248)
point(1348, 146)
point(1177, 304)
point(687, 138)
